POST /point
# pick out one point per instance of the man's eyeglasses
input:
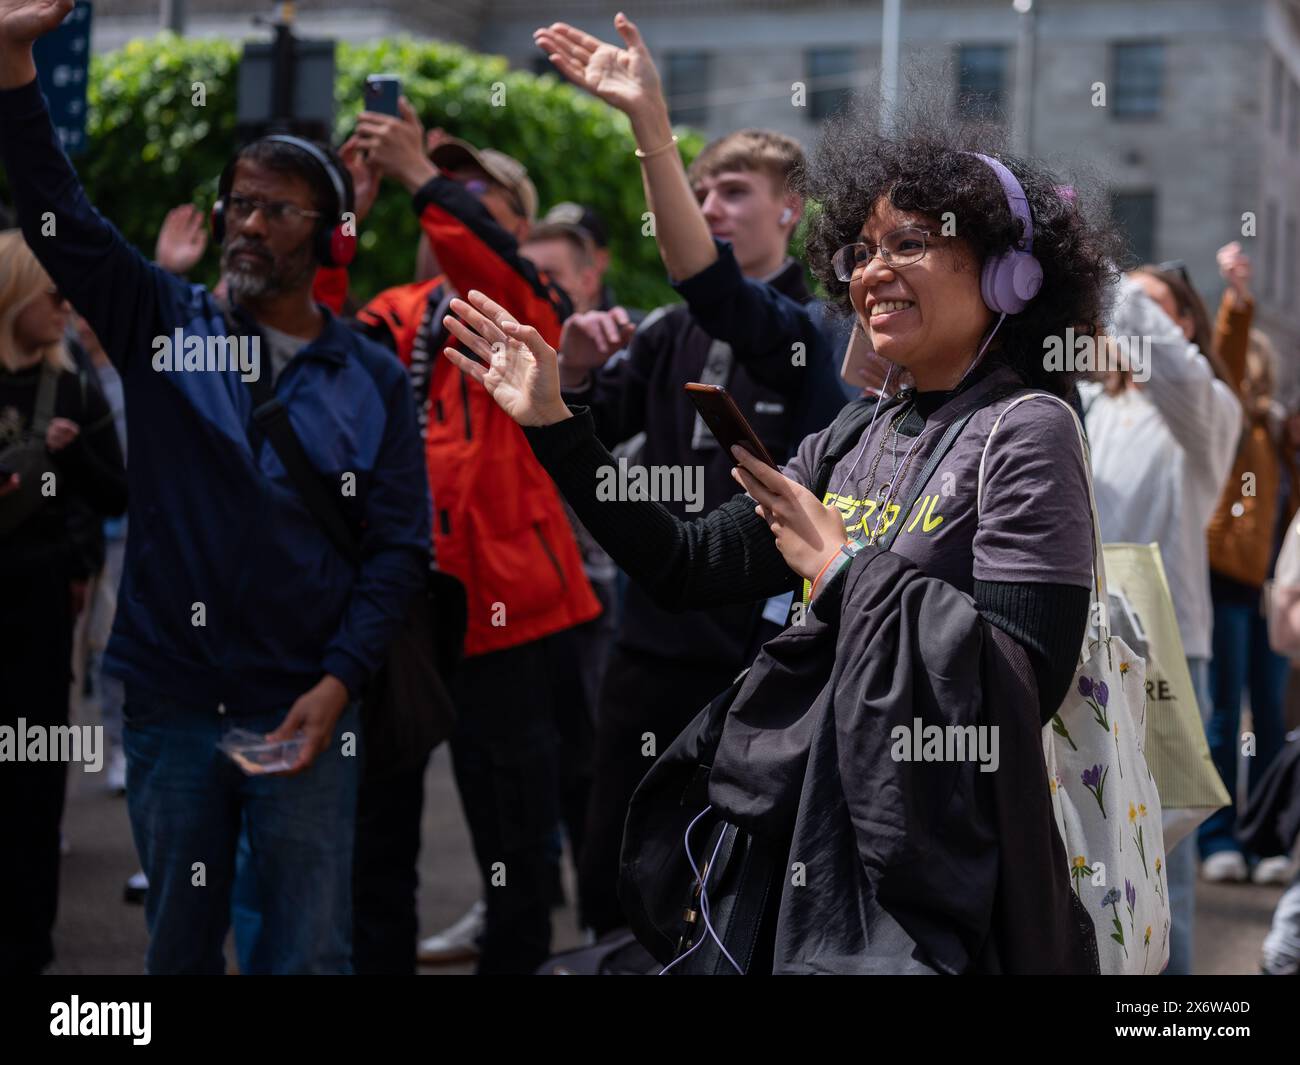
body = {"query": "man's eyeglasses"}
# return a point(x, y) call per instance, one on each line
point(239, 208)
point(902, 247)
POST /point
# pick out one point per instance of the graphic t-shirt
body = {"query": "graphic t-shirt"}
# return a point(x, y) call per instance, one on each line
point(1034, 524)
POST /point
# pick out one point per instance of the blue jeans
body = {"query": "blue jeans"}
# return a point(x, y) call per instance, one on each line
point(187, 802)
point(1180, 864)
point(1242, 657)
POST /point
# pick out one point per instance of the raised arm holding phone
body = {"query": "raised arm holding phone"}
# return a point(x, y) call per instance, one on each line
point(745, 324)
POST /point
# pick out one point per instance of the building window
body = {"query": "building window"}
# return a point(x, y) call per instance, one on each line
point(1271, 237)
point(982, 81)
point(1277, 87)
point(688, 87)
point(1138, 79)
point(1288, 264)
point(1135, 215)
point(831, 75)
point(1293, 116)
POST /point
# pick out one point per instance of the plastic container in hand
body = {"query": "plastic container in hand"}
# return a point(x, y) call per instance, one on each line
point(255, 755)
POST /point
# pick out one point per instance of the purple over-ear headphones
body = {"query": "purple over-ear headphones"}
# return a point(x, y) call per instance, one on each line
point(1011, 279)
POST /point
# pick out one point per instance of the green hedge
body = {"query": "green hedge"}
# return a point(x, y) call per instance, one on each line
point(151, 148)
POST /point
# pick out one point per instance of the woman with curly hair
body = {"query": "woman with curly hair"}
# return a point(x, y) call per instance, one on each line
point(929, 598)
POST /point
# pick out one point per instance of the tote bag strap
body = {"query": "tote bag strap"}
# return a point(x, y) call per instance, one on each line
point(1099, 595)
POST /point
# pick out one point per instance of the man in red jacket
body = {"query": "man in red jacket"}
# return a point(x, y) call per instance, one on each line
point(498, 522)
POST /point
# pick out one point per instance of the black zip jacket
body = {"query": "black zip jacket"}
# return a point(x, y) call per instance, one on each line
point(758, 340)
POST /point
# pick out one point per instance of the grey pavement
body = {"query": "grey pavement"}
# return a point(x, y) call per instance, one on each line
point(98, 933)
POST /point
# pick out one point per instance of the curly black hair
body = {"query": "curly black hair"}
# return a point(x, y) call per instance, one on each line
point(922, 163)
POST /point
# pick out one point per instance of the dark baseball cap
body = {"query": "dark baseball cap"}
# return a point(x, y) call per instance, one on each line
point(584, 218)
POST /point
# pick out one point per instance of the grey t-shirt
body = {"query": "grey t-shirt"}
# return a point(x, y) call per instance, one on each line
point(1034, 525)
point(284, 346)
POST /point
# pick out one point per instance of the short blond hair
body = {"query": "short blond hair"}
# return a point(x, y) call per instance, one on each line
point(762, 150)
point(22, 280)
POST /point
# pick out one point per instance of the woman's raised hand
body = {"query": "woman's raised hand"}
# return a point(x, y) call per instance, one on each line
point(625, 78)
point(518, 369)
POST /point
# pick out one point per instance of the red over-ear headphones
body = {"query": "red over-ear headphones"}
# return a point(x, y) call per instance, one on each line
point(333, 246)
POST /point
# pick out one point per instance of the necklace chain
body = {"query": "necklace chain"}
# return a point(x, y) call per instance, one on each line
point(890, 436)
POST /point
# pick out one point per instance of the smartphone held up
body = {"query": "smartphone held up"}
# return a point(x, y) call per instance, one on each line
point(382, 92)
point(725, 420)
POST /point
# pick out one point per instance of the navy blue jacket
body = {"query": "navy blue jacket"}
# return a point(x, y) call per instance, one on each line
point(214, 522)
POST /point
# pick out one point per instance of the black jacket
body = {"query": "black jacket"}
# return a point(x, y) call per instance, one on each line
point(759, 341)
point(1271, 820)
point(902, 867)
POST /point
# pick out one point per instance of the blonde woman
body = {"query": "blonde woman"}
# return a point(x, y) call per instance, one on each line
point(58, 454)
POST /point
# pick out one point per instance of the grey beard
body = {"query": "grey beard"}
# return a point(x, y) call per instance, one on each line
point(246, 284)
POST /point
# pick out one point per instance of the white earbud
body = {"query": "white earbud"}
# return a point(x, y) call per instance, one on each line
point(786, 215)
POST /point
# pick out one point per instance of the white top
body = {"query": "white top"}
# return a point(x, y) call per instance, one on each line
point(1161, 454)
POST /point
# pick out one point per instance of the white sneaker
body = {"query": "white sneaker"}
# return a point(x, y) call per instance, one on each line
point(1225, 867)
point(115, 772)
point(137, 886)
point(457, 943)
point(1275, 870)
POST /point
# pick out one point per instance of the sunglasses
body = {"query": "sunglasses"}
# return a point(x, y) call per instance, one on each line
point(1179, 267)
point(478, 188)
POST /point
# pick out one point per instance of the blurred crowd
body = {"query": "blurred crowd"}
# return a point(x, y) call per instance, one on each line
point(223, 606)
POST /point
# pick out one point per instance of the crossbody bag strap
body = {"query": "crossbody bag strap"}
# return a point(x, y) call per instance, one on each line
point(271, 417)
point(1100, 596)
point(942, 448)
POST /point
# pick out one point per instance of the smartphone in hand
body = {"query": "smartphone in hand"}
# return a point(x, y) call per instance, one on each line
point(382, 92)
point(725, 420)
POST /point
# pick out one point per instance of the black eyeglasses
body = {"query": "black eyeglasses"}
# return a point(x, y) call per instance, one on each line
point(902, 247)
point(239, 208)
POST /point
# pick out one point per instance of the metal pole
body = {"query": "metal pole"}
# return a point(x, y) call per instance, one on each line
point(889, 38)
point(282, 77)
point(1025, 74)
point(172, 15)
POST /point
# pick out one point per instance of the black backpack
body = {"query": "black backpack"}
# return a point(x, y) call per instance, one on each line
point(30, 458)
